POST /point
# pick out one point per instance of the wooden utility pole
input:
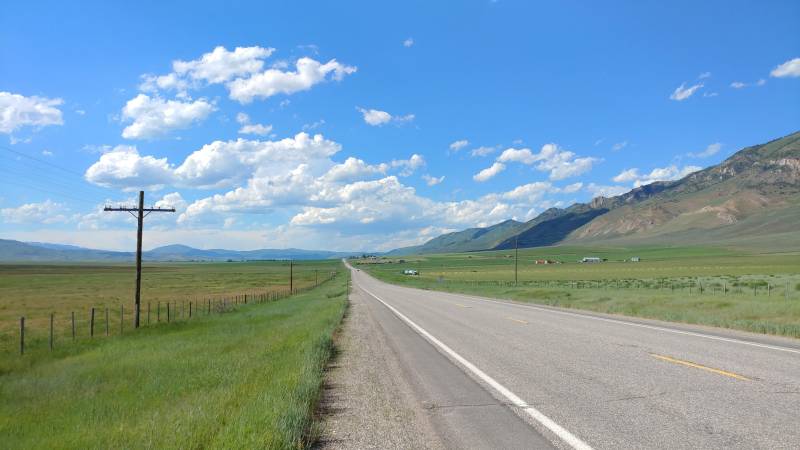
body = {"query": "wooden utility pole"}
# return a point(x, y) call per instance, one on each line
point(516, 257)
point(139, 213)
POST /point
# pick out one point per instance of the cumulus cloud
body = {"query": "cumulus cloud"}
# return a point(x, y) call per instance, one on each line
point(252, 128)
point(153, 116)
point(668, 173)
point(124, 168)
point(458, 145)
point(431, 180)
point(711, 150)
point(572, 188)
point(704, 75)
point(598, 190)
point(489, 172)
point(376, 117)
point(559, 163)
point(354, 169)
point(790, 68)
point(243, 74)
point(738, 85)
point(482, 151)
point(17, 111)
point(408, 42)
point(47, 212)
point(682, 92)
point(308, 72)
point(410, 165)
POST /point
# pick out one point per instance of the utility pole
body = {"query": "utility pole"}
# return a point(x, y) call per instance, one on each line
point(516, 257)
point(139, 213)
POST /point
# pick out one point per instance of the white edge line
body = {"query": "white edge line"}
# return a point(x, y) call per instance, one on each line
point(632, 324)
point(548, 423)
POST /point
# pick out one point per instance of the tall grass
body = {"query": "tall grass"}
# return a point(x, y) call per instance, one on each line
point(247, 379)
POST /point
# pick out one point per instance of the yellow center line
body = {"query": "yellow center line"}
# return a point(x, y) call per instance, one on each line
point(701, 367)
point(517, 320)
point(463, 306)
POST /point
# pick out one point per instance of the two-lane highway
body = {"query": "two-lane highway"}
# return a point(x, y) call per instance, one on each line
point(581, 380)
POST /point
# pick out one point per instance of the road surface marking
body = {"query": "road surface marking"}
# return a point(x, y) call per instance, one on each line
point(463, 306)
point(701, 367)
point(572, 440)
point(631, 324)
point(517, 320)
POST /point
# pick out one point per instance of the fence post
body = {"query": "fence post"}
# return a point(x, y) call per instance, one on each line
point(190, 309)
point(148, 313)
point(73, 325)
point(158, 312)
point(167, 312)
point(91, 324)
point(51, 331)
point(22, 335)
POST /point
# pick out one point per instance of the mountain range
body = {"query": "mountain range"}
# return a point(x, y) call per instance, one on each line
point(16, 251)
point(751, 199)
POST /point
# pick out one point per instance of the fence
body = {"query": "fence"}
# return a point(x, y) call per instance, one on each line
point(73, 328)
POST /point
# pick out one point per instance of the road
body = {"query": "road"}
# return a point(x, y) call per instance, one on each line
point(497, 374)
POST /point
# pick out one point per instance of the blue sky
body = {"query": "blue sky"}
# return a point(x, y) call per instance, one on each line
point(365, 125)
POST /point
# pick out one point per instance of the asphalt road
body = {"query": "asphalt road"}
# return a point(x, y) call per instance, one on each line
point(506, 375)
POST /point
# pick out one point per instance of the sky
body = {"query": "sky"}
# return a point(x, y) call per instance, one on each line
point(366, 126)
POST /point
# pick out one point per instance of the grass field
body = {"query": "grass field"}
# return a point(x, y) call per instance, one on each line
point(35, 291)
point(244, 379)
point(709, 286)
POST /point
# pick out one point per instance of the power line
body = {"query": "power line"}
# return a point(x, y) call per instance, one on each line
point(25, 155)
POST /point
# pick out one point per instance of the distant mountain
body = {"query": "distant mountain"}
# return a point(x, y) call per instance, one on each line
point(752, 198)
point(15, 251)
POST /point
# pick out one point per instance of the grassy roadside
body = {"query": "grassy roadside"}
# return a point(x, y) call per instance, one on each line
point(248, 379)
point(665, 286)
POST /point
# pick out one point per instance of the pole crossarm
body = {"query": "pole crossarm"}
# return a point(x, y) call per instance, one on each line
point(139, 213)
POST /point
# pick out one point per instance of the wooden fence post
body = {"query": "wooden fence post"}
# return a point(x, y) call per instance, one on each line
point(91, 324)
point(51, 331)
point(190, 309)
point(167, 312)
point(148, 313)
point(22, 335)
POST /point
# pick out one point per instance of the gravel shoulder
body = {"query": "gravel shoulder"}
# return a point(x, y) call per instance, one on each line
point(368, 401)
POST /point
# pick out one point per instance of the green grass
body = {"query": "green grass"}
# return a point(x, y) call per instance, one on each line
point(245, 379)
point(666, 285)
point(35, 290)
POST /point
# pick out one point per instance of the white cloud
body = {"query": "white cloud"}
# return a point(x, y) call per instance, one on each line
point(47, 153)
point(408, 42)
point(619, 146)
point(489, 172)
point(761, 82)
point(252, 128)
point(598, 190)
point(711, 150)
point(682, 92)
point(125, 169)
point(17, 111)
point(431, 180)
point(221, 65)
point(571, 188)
point(738, 85)
point(409, 165)
point(482, 151)
point(47, 212)
point(704, 75)
point(458, 145)
point(668, 173)
point(154, 116)
point(308, 73)
point(313, 125)
point(710, 94)
point(376, 117)
point(559, 163)
point(354, 169)
point(790, 68)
